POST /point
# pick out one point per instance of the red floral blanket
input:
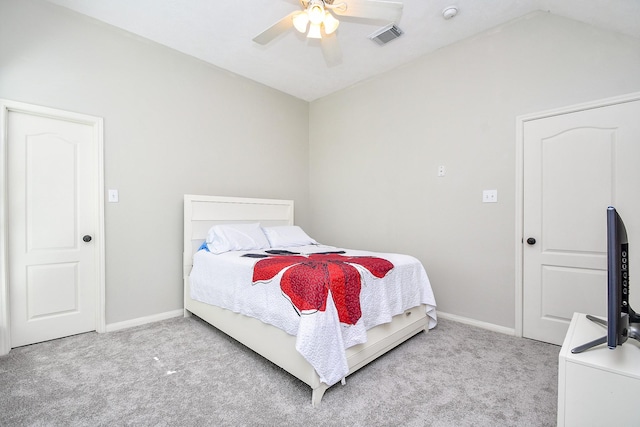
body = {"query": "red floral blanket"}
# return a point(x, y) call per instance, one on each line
point(308, 280)
point(290, 290)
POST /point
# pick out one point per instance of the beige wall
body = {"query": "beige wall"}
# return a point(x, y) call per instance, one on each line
point(375, 149)
point(172, 125)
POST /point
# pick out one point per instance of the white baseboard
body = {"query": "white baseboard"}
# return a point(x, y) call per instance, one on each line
point(478, 323)
point(179, 313)
point(144, 320)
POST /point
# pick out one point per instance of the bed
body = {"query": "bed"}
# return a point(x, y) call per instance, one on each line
point(201, 213)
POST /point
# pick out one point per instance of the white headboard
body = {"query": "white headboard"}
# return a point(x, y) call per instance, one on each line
point(203, 212)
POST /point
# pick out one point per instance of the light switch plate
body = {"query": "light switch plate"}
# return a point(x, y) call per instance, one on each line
point(113, 196)
point(490, 196)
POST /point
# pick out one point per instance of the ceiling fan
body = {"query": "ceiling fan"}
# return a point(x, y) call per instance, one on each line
point(317, 20)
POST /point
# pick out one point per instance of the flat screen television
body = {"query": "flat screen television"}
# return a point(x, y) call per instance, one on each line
point(622, 322)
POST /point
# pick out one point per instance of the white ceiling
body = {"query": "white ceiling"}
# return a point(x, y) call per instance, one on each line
point(220, 32)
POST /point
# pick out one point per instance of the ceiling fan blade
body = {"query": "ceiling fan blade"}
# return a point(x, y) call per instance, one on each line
point(331, 49)
point(276, 29)
point(370, 9)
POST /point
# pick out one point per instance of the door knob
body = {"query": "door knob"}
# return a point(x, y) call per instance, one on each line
point(86, 238)
point(531, 241)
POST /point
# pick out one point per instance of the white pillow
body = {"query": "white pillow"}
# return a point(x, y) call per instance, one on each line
point(236, 237)
point(287, 235)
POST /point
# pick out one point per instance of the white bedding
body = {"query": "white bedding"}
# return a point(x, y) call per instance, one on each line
point(226, 280)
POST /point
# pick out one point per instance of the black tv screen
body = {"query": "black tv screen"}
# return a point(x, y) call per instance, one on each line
point(618, 279)
point(622, 322)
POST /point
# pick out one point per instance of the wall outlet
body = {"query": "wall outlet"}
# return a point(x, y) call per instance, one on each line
point(490, 196)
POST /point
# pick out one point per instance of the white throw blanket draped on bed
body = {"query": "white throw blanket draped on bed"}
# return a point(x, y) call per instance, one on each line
point(225, 280)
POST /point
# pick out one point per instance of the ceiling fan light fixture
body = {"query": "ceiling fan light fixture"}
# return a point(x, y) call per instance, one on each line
point(316, 13)
point(301, 21)
point(314, 31)
point(330, 23)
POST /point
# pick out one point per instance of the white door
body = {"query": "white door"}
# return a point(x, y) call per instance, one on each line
point(575, 165)
point(54, 226)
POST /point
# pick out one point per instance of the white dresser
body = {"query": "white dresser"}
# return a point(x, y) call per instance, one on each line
point(598, 387)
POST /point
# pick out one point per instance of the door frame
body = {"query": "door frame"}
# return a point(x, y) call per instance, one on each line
point(519, 235)
point(7, 106)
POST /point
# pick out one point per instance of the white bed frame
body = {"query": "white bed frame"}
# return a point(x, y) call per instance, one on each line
point(202, 212)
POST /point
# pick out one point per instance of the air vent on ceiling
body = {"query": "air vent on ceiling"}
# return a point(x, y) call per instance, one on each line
point(385, 34)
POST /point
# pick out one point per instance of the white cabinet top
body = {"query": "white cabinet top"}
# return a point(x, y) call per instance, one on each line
point(624, 360)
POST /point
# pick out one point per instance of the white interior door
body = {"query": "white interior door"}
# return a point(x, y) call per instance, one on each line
point(575, 165)
point(54, 226)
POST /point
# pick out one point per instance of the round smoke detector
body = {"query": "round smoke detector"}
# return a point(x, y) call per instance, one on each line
point(449, 12)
